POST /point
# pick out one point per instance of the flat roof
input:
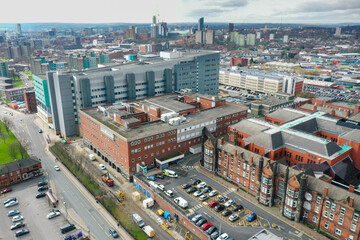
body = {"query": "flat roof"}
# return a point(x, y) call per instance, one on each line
point(168, 102)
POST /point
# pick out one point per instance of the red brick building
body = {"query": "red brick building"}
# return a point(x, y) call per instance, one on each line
point(18, 171)
point(143, 131)
point(235, 61)
point(30, 101)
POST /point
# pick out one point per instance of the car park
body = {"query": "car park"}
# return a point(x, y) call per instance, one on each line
point(200, 222)
point(236, 208)
point(207, 189)
point(17, 218)
point(152, 178)
point(56, 167)
point(102, 167)
point(43, 188)
point(9, 200)
point(113, 233)
point(219, 208)
point(22, 232)
point(204, 197)
point(201, 185)
point(195, 182)
point(211, 230)
point(161, 176)
point(234, 217)
point(251, 217)
point(186, 186)
point(196, 218)
point(169, 193)
point(213, 193)
point(229, 203)
point(215, 234)
point(226, 213)
point(206, 226)
point(13, 213)
point(198, 193)
point(6, 190)
point(191, 190)
point(40, 195)
point(42, 184)
point(213, 204)
point(53, 214)
point(12, 203)
point(17, 225)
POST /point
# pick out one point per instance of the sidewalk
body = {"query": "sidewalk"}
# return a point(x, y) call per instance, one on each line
point(270, 210)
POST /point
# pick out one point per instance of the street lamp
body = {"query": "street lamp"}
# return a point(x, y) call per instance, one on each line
point(66, 213)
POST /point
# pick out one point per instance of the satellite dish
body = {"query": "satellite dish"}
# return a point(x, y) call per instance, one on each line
point(307, 205)
point(308, 196)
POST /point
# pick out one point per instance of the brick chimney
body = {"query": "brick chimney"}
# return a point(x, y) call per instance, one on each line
point(351, 202)
point(235, 153)
point(351, 188)
point(221, 141)
point(326, 190)
point(251, 160)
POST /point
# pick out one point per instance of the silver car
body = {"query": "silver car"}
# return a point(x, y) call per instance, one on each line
point(197, 193)
point(229, 203)
point(213, 193)
point(204, 197)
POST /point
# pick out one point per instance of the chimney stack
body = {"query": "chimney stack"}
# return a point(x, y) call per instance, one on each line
point(326, 190)
point(221, 141)
point(351, 202)
point(351, 188)
point(235, 152)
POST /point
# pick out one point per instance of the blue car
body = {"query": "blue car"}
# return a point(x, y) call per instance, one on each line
point(207, 189)
point(13, 213)
point(152, 178)
point(251, 217)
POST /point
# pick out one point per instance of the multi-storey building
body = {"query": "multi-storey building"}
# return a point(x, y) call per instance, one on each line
point(4, 69)
point(173, 71)
point(143, 131)
point(42, 98)
point(301, 195)
point(30, 100)
point(261, 81)
point(16, 94)
point(271, 104)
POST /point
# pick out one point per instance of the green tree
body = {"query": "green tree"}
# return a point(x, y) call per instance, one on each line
point(13, 150)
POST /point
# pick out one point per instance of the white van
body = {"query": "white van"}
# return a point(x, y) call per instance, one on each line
point(181, 202)
point(138, 220)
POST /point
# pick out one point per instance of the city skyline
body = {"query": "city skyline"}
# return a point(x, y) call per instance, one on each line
point(238, 11)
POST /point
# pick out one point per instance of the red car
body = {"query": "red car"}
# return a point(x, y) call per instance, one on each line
point(213, 204)
point(6, 190)
point(206, 226)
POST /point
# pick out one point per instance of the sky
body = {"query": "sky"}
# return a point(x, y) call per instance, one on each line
point(141, 11)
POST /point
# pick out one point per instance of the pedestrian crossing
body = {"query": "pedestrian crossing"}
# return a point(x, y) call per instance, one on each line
point(190, 167)
point(227, 192)
point(196, 207)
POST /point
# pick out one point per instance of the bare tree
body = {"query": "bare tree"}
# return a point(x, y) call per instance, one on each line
point(13, 150)
point(22, 150)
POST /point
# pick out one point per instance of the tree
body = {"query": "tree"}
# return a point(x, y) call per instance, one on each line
point(3, 136)
point(13, 150)
point(7, 125)
point(22, 150)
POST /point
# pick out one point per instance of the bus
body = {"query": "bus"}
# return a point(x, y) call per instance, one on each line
point(170, 173)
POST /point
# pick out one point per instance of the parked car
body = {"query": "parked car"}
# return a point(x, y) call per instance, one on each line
point(17, 225)
point(236, 208)
point(12, 203)
point(211, 230)
point(226, 213)
point(102, 167)
point(219, 208)
point(113, 233)
point(234, 217)
point(204, 197)
point(17, 218)
point(161, 187)
point(200, 222)
point(186, 186)
point(197, 193)
point(191, 190)
point(213, 204)
point(206, 226)
point(56, 167)
point(9, 200)
point(40, 130)
point(229, 203)
point(22, 232)
point(213, 193)
point(40, 195)
point(161, 176)
point(201, 185)
point(251, 217)
point(42, 184)
point(169, 193)
point(13, 213)
point(6, 190)
point(196, 218)
point(223, 236)
point(214, 235)
point(223, 198)
point(207, 189)
point(152, 178)
point(53, 214)
point(195, 182)
point(43, 188)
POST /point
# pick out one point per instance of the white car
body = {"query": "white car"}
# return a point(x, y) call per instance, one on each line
point(56, 167)
point(223, 236)
point(201, 185)
point(12, 203)
point(102, 167)
point(161, 187)
point(53, 214)
point(213, 193)
point(169, 193)
point(198, 193)
point(17, 218)
point(229, 203)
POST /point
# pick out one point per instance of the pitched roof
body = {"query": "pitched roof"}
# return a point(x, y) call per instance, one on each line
point(346, 171)
point(285, 115)
point(353, 135)
point(17, 165)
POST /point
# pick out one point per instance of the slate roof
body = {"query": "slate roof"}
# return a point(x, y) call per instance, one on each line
point(324, 167)
point(17, 165)
point(270, 141)
point(346, 171)
point(285, 115)
point(249, 127)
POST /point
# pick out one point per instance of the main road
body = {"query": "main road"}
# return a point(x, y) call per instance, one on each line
point(24, 128)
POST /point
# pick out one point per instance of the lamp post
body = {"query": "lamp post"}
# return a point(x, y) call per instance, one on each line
point(66, 213)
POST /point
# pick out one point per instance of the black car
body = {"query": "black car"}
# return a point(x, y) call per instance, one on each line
point(191, 190)
point(42, 184)
point(195, 181)
point(226, 213)
point(43, 188)
point(159, 176)
point(22, 232)
point(236, 208)
point(211, 230)
point(215, 235)
point(200, 222)
point(40, 195)
point(219, 208)
point(186, 186)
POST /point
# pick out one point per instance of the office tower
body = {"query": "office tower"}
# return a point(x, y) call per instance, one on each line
point(271, 37)
point(4, 69)
point(199, 37)
point(209, 36)
point(18, 28)
point(78, 42)
point(163, 30)
point(286, 39)
point(231, 27)
point(201, 24)
point(25, 50)
point(258, 35)
point(88, 31)
point(130, 33)
point(338, 31)
point(154, 28)
point(237, 38)
point(250, 39)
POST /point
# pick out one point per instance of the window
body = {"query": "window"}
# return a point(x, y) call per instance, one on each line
point(318, 199)
point(353, 227)
point(342, 210)
point(331, 217)
point(327, 204)
point(356, 216)
point(317, 209)
point(326, 225)
point(326, 213)
point(333, 206)
point(315, 219)
point(338, 231)
point(340, 220)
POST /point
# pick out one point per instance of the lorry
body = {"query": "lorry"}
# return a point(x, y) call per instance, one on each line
point(181, 202)
point(170, 173)
point(138, 220)
point(149, 231)
point(106, 179)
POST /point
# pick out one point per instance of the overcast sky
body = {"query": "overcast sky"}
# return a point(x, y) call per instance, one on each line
point(141, 11)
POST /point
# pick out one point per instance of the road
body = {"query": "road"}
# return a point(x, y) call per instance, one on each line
point(24, 128)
